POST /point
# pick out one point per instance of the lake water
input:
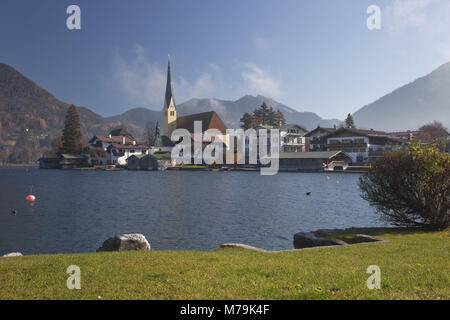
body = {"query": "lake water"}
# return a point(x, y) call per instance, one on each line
point(76, 211)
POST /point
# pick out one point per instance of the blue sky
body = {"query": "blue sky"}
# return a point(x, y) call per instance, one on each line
point(314, 56)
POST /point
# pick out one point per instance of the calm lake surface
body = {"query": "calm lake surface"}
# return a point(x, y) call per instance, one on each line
point(76, 211)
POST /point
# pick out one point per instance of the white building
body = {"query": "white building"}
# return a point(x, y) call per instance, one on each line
point(315, 139)
point(292, 138)
point(119, 145)
point(362, 145)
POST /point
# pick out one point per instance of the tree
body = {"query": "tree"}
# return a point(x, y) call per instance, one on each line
point(263, 115)
point(349, 122)
point(55, 148)
point(23, 150)
point(433, 132)
point(72, 139)
point(279, 118)
point(410, 187)
point(150, 132)
point(247, 121)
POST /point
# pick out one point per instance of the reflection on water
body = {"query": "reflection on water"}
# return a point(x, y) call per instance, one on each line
point(76, 210)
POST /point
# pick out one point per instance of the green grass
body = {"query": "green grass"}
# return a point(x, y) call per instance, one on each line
point(414, 265)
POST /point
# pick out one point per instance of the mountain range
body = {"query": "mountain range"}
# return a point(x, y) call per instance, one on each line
point(229, 111)
point(26, 107)
point(411, 106)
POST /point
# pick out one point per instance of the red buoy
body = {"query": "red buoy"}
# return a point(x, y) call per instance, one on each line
point(30, 198)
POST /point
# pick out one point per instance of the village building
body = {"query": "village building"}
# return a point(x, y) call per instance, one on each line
point(119, 145)
point(362, 145)
point(161, 144)
point(209, 120)
point(315, 139)
point(65, 161)
point(292, 138)
point(70, 161)
point(314, 161)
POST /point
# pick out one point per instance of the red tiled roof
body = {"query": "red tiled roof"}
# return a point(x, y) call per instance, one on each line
point(210, 120)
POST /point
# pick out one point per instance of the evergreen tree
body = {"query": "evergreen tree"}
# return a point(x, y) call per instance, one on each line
point(72, 140)
point(247, 121)
point(349, 122)
point(279, 118)
point(263, 115)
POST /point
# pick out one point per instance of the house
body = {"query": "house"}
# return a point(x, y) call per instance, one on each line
point(292, 138)
point(156, 161)
point(119, 145)
point(362, 145)
point(119, 135)
point(70, 161)
point(142, 162)
point(315, 138)
point(119, 153)
point(65, 161)
point(313, 161)
point(49, 163)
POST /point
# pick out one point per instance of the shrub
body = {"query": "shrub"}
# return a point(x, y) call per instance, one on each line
point(410, 187)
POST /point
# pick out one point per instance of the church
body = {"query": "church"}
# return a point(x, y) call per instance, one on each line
point(209, 120)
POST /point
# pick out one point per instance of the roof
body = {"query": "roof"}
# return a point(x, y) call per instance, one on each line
point(319, 128)
point(127, 146)
point(116, 139)
point(287, 126)
point(162, 141)
point(139, 156)
point(210, 120)
point(118, 132)
point(74, 156)
point(311, 155)
point(162, 156)
point(365, 133)
point(158, 156)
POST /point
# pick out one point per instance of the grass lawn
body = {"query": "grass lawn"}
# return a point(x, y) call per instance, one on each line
point(414, 265)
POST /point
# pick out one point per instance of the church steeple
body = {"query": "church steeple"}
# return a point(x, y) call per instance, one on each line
point(169, 89)
point(169, 109)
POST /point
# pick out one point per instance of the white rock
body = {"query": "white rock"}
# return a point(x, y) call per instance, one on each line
point(12, 254)
point(125, 242)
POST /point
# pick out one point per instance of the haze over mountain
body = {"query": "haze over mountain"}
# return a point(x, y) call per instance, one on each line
point(232, 111)
point(229, 111)
point(411, 106)
point(27, 109)
point(32, 115)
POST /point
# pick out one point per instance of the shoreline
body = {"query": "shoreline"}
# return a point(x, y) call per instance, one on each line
point(357, 231)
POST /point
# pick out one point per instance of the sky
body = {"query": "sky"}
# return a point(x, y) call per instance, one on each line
point(314, 56)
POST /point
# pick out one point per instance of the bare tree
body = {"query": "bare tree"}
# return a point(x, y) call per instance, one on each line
point(150, 132)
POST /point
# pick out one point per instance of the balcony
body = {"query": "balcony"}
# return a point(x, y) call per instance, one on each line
point(347, 145)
